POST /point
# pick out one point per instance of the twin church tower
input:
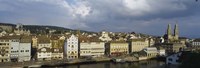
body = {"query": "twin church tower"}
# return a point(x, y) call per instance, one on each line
point(172, 37)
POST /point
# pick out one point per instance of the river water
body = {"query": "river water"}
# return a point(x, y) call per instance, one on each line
point(141, 64)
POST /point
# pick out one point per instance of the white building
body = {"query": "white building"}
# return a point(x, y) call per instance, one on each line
point(151, 52)
point(196, 43)
point(14, 45)
point(44, 47)
point(19, 48)
point(173, 59)
point(25, 49)
point(71, 47)
point(161, 52)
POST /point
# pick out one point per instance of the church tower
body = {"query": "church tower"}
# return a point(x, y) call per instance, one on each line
point(169, 34)
point(176, 32)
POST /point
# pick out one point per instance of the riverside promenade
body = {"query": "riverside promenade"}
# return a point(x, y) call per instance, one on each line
point(54, 63)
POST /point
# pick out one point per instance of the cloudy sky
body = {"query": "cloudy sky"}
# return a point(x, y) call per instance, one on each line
point(143, 16)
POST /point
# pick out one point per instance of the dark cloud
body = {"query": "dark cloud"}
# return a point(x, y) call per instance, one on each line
point(145, 16)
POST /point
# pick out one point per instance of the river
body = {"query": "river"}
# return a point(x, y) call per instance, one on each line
point(141, 64)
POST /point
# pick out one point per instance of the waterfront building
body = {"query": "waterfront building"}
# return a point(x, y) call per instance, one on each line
point(171, 48)
point(161, 52)
point(105, 36)
point(151, 52)
point(4, 50)
point(71, 46)
point(116, 48)
point(91, 47)
point(44, 48)
point(57, 47)
point(196, 44)
point(138, 44)
point(19, 47)
point(14, 47)
point(174, 58)
point(25, 49)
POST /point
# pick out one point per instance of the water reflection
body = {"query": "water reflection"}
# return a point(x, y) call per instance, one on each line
point(141, 64)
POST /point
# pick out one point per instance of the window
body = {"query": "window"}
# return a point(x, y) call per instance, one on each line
point(170, 59)
point(27, 50)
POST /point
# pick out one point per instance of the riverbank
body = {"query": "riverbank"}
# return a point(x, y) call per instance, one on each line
point(58, 63)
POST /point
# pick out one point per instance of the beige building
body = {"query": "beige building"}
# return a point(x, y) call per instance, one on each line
point(34, 42)
point(117, 48)
point(4, 50)
point(57, 47)
point(91, 47)
point(44, 48)
point(138, 44)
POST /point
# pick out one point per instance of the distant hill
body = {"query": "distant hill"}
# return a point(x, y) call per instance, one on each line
point(41, 29)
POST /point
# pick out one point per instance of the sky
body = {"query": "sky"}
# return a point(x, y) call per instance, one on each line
point(141, 16)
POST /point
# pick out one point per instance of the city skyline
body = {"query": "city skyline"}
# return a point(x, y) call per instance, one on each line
point(142, 16)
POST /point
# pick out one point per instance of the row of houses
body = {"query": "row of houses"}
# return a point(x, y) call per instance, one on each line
point(45, 47)
point(15, 48)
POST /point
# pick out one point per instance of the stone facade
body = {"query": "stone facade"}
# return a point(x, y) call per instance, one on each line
point(117, 48)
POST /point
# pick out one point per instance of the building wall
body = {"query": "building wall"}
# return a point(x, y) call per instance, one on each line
point(72, 47)
point(57, 55)
point(196, 44)
point(57, 49)
point(5, 49)
point(41, 45)
point(85, 49)
point(116, 49)
point(137, 46)
point(46, 55)
point(34, 42)
point(172, 59)
point(97, 48)
point(25, 52)
point(14, 44)
point(92, 49)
